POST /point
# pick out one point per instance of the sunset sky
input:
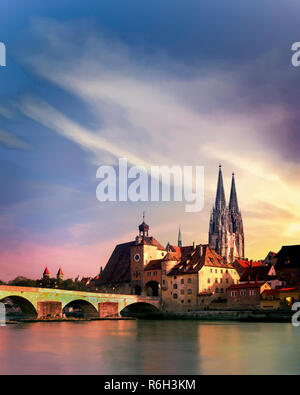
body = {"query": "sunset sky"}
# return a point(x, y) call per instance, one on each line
point(161, 82)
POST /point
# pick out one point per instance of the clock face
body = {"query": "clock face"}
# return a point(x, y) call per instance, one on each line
point(137, 257)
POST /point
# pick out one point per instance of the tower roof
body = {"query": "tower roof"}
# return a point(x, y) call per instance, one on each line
point(60, 272)
point(220, 197)
point(46, 272)
point(233, 203)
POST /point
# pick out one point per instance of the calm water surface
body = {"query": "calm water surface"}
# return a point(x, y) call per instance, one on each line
point(149, 347)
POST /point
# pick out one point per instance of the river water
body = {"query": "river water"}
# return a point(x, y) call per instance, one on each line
point(149, 347)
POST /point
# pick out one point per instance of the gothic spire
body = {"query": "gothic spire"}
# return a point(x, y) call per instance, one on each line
point(179, 238)
point(220, 198)
point(233, 203)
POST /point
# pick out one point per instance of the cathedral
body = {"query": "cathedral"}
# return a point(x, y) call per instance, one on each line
point(226, 234)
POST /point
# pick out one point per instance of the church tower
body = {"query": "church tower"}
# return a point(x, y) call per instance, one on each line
point(179, 238)
point(226, 235)
point(236, 224)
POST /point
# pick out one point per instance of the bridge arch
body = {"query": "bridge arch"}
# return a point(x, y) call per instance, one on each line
point(137, 308)
point(87, 309)
point(27, 308)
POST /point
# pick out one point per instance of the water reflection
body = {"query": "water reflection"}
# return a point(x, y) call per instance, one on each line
point(149, 347)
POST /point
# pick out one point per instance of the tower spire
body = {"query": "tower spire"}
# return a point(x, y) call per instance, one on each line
point(233, 203)
point(220, 197)
point(179, 238)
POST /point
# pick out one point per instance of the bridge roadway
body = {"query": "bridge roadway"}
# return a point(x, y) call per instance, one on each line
point(42, 303)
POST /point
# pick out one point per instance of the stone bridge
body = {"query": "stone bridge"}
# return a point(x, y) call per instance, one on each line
point(43, 303)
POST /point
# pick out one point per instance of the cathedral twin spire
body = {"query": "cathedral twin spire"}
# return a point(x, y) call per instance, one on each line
point(220, 197)
point(226, 233)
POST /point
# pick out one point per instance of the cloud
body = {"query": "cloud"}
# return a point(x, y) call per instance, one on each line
point(153, 110)
point(10, 141)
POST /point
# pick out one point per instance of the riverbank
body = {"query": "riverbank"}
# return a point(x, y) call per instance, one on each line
point(222, 315)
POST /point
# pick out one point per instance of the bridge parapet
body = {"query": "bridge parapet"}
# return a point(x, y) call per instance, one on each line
point(49, 303)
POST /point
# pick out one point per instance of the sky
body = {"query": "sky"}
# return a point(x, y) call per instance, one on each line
point(158, 82)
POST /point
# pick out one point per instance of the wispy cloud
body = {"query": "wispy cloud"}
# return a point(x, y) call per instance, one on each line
point(153, 111)
point(8, 140)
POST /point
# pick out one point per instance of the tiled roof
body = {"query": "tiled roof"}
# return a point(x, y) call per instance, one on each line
point(155, 264)
point(246, 264)
point(46, 271)
point(117, 269)
point(247, 285)
point(194, 258)
point(258, 273)
point(153, 242)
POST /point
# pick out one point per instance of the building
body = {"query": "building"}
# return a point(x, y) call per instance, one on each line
point(226, 234)
point(270, 259)
point(281, 298)
point(46, 274)
point(288, 264)
point(60, 276)
point(125, 270)
point(246, 295)
point(196, 279)
point(261, 273)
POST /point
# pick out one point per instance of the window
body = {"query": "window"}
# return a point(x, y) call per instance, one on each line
point(216, 280)
point(175, 296)
point(208, 280)
point(190, 291)
point(243, 293)
point(155, 274)
point(226, 271)
point(211, 270)
point(226, 280)
point(221, 271)
point(222, 290)
point(175, 286)
point(252, 292)
point(189, 300)
point(163, 281)
point(149, 274)
point(182, 291)
point(175, 277)
point(189, 280)
point(233, 293)
point(217, 290)
point(182, 301)
point(216, 270)
point(182, 281)
point(221, 280)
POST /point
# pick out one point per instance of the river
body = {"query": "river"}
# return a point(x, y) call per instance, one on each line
point(149, 347)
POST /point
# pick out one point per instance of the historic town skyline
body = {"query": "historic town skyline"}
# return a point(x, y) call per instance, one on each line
point(78, 93)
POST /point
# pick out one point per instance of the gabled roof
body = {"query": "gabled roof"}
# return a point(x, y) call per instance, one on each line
point(194, 258)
